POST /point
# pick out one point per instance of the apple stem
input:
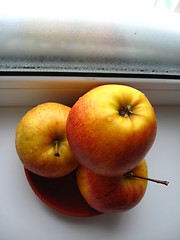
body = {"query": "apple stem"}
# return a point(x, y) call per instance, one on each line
point(56, 146)
point(150, 179)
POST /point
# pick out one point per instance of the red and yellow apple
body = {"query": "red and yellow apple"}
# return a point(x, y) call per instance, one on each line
point(41, 141)
point(111, 128)
point(113, 194)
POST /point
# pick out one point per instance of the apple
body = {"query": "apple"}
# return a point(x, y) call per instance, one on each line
point(41, 141)
point(111, 128)
point(114, 194)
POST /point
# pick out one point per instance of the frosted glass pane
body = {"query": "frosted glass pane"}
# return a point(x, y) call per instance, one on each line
point(92, 39)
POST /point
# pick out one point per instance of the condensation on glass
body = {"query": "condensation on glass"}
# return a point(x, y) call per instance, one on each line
point(114, 43)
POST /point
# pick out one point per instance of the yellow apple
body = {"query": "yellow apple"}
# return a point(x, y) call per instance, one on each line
point(111, 128)
point(41, 141)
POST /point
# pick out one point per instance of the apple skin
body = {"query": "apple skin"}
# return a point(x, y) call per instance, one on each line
point(104, 141)
point(35, 137)
point(112, 194)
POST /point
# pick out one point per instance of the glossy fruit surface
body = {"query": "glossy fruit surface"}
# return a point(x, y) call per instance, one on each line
point(111, 128)
point(112, 194)
point(41, 141)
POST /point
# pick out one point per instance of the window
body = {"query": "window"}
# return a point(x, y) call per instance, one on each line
point(90, 36)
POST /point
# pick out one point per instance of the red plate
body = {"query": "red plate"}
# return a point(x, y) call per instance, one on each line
point(61, 194)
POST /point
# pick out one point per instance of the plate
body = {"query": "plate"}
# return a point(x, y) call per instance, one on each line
point(61, 194)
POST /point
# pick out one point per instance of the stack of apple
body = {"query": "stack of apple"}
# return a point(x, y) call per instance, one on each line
point(105, 136)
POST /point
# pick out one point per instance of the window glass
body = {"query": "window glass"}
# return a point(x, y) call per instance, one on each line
point(90, 36)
